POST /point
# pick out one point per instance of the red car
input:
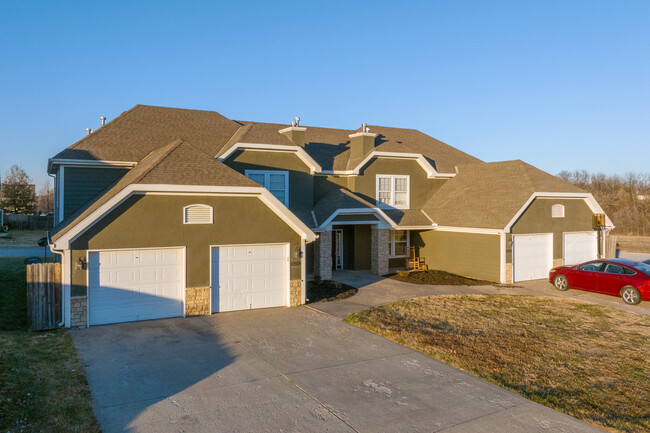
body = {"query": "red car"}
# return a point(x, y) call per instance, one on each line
point(616, 277)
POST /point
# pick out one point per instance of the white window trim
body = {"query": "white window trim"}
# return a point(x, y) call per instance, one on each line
point(391, 238)
point(267, 174)
point(392, 178)
point(560, 208)
point(198, 205)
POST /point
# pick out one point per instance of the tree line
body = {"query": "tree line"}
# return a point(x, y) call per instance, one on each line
point(625, 199)
point(18, 194)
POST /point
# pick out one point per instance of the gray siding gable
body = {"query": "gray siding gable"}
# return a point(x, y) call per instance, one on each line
point(83, 184)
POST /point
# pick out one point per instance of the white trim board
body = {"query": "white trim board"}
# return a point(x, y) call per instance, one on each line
point(420, 159)
point(63, 243)
point(299, 151)
point(88, 163)
point(387, 222)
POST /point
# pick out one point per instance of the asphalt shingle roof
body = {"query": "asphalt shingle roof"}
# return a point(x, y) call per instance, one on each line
point(488, 195)
point(177, 163)
point(142, 129)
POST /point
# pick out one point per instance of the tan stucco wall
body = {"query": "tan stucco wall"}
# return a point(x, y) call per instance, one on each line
point(468, 254)
point(421, 188)
point(537, 219)
point(157, 221)
point(301, 182)
point(325, 184)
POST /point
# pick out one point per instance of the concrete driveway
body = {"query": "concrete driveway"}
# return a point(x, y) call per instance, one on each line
point(375, 291)
point(287, 369)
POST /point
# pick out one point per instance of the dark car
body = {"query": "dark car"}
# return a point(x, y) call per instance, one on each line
point(616, 277)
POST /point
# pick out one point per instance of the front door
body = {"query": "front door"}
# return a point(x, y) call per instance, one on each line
point(338, 249)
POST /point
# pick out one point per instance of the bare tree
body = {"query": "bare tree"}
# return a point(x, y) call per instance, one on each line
point(18, 192)
point(625, 199)
point(45, 198)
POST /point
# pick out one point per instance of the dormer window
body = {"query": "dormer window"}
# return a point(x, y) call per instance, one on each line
point(393, 191)
point(277, 182)
point(198, 214)
point(557, 211)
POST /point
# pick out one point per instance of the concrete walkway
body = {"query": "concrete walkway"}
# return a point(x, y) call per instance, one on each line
point(375, 291)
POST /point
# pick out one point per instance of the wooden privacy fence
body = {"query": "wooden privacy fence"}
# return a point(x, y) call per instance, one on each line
point(29, 222)
point(610, 247)
point(44, 296)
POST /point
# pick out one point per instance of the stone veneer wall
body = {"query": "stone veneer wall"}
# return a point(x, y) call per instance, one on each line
point(295, 293)
point(509, 273)
point(323, 256)
point(379, 251)
point(79, 312)
point(197, 301)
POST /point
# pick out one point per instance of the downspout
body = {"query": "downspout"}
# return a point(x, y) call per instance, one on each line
point(51, 246)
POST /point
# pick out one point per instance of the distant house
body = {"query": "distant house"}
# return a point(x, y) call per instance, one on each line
point(169, 212)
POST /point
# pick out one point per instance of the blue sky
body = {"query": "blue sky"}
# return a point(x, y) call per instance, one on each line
point(562, 85)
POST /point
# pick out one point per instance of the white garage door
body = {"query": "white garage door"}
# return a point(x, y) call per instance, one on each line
point(125, 286)
point(580, 247)
point(532, 256)
point(249, 276)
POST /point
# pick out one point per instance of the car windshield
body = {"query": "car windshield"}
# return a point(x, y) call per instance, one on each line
point(642, 267)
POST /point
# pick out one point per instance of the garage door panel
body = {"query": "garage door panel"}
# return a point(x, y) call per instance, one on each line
point(532, 256)
point(579, 247)
point(126, 286)
point(249, 276)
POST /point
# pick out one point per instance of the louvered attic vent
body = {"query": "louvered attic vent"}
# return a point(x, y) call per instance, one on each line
point(197, 214)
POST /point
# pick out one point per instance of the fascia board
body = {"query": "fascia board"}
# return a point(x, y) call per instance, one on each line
point(299, 151)
point(86, 163)
point(476, 230)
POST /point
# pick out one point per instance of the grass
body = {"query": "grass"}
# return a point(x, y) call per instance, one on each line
point(42, 384)
point(586, 360)
point(22, 238)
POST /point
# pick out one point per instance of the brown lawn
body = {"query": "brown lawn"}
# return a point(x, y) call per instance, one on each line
point(42, 384)
point(586, 360)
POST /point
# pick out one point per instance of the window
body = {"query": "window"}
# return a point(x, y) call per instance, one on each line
point(557, 211)
point(398, 240)
point(277, 182)
point(614, 269)
point(591, 267)
point(393, 191)
point(197, 214)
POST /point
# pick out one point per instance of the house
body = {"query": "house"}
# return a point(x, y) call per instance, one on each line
point(169, 212)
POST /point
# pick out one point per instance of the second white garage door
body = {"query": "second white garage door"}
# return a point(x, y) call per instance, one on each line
point(249, 276)
point(580, 247)
point(532, 256)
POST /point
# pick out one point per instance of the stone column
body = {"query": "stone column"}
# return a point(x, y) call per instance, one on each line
point(323, 256)
point(379, 251)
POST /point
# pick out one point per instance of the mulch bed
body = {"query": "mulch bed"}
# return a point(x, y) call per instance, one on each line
point(438, 278)
point(328, 290)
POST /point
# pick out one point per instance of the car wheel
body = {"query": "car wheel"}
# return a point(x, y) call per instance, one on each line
point(561, 282)
point(630, 295)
